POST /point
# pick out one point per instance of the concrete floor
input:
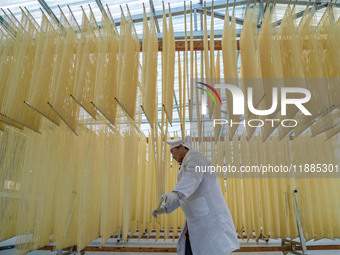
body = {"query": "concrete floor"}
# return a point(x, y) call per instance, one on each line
point(170, 243)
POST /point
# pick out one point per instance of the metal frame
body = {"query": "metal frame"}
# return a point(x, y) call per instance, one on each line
point(222, 16)
point(262, 237)
point(7, 26)
point(198, 8)
point(152, 7)
point(302, 242)
point(71, 251)
point(217, 5)
point(101, 7)
point(48, 10)
point(302, 2)
point(176, 102)
point(262, 11)
point(177, 11)
point(118, 235)
point(180, 10)
point(195, 20)
point(7, 247)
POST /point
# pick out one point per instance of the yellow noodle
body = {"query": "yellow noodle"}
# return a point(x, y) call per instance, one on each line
point(149, 75)
point(128, 67)
point(20, 73)
point(63, 76)
point(229, 52)
point(106, 87)
point(87, 52)
point(40, 90)
point(12, 150)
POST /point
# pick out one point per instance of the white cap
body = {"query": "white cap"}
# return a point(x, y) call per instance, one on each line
point(177, 142)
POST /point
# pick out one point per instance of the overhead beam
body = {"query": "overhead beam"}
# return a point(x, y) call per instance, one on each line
point(101, 7)
point(222, 16)
point(195, 20)
point(152, 7)
point(262, 10)
point(179, 115)
point(48, 10)
point(217, 5)
point(201, 14)
point(237, 20)
point(7, 26)
point(177, 11)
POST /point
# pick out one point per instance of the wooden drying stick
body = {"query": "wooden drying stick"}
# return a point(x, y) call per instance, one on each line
point(159, 205)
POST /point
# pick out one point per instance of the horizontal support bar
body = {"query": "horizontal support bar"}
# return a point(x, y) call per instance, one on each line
point(174, 250)
point(7, 247)
point(196, 34)
point(198, 45)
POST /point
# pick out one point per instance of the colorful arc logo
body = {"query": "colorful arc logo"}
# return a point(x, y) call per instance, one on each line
point(209, 93)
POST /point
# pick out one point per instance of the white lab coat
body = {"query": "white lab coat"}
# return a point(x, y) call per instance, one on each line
point(211, 227)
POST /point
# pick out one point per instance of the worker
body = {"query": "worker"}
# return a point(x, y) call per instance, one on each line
point(209, 227)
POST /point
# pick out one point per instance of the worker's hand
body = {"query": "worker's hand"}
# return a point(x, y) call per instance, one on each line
point(171, 200)
point(161, 210)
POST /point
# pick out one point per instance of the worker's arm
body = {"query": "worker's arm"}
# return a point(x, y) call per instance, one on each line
point(189, 181)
